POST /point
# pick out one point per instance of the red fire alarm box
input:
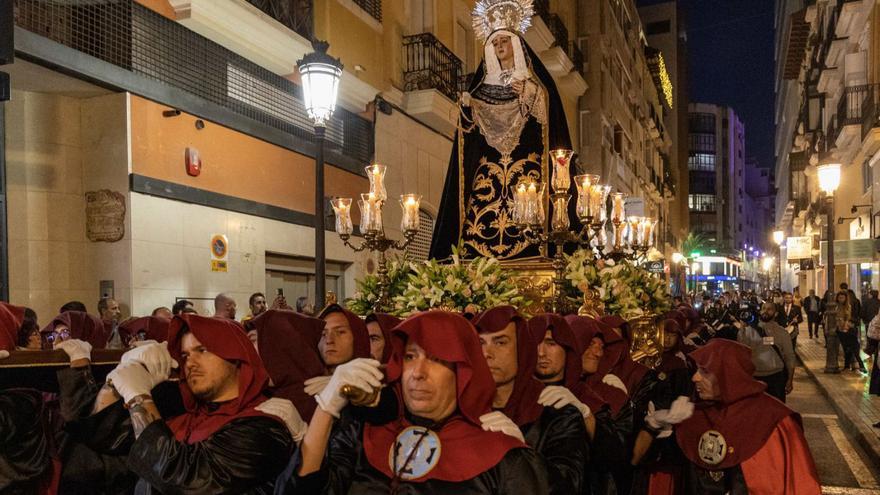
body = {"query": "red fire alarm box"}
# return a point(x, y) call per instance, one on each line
point(193, 162)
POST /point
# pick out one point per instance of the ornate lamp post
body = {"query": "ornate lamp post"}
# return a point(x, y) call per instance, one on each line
point(320, 74)
point(779, 238)
point(829, 180)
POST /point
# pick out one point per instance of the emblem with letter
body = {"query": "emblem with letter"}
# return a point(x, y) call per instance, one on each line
point(712, 448)
point(415, 453)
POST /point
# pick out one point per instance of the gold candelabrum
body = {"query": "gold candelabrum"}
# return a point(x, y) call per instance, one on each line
point(372, 228)
point(631, 236)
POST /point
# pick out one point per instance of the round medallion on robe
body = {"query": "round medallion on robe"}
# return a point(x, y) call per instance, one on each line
point(712, 448)
point(415, 453)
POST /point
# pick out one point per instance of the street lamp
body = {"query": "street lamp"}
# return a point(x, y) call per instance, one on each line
point(829, 180)
point(320, 74)
point(779, 238)
point(677, 259)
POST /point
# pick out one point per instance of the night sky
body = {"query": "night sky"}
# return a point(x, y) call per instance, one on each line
point(730, 44)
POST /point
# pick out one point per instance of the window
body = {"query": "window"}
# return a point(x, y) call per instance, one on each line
point(867, 175)
point(701, 202)
point(701, 161)
point(658, 27)
point(702, 123)
point(701, 143)
point(618, 139)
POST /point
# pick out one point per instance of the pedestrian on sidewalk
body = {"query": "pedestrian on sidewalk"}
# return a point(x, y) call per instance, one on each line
point(870, 308)
point(772, 353)
point(832, 345)
point(873, 334)
point(847, 326)
point(813, 305)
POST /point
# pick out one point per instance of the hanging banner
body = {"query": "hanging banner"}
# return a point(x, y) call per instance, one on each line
point(798, 248)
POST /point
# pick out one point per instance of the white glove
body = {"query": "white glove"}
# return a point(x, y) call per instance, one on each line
point(681, 409)
point(314, 386)
point(4, 354)
point(75, 349)
point(131, 380)
point(497, 421)
point(360, 373)
point(138, 343)
point(286, 411)
point(615, 382)
point(559, 397)
point(152, 356)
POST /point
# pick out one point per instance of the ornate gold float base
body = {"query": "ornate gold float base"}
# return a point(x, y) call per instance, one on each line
point(534, 278)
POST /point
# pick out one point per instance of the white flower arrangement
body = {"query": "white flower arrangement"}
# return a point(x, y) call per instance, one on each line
point(625, 288)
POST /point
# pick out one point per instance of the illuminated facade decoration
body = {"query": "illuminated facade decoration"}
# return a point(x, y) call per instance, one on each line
point(660, 74)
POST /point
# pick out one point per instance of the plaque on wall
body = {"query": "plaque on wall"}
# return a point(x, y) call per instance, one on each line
point(105, 216)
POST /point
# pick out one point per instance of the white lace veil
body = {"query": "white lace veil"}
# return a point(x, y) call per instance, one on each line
point(494, 74)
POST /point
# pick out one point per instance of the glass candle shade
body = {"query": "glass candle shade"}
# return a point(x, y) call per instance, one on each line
point(618, 207)
point(600, 238)
point(634, 232)
point(371, 213)
point(410, 205)
point(342, 210)
point(534, 214)
point(619, 233)
point(376, 175)
point(561, 160)
point(650, 226)
point(584, 184)
point(560, 221)
point(598, 202)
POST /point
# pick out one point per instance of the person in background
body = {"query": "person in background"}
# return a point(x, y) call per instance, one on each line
point(303, 305)
point(870, 308)
point(813, 307)
point(789, 316)
point(380, 325)
point(29, 334)
point(257, 305)
point(873, 335)
point(180, 306)
point(73, 306)
point(224, 306)
point(772, 354)
point(847, 327)
point(854, 303)
point(109, 311)
point(162, 312)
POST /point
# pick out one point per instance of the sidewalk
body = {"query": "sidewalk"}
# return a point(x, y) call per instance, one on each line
point(848, 394)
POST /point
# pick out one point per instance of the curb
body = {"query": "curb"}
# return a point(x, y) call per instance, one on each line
point(864, 434)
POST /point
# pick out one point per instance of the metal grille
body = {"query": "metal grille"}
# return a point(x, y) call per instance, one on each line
point(372, 7)
point(428, 64)
point(421, 244)
point(138, 39)
point(295, 14)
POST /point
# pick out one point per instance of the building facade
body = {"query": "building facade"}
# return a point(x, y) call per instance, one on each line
point(827, 111)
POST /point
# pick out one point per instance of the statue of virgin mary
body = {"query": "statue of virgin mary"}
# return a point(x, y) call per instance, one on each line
point(509, 119)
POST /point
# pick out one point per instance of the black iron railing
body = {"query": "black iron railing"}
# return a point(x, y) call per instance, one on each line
point(871, 109)
point(849, 109)
point(558, 29)
point(798, 160)
point(298, 15)
point(832, 130)
point(372, 7)
point(428, 64)
point(464, 82)
point(147, 44)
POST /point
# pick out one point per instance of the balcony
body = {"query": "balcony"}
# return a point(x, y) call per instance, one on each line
point(432, 77)
point(871, 109)
point(297, 15)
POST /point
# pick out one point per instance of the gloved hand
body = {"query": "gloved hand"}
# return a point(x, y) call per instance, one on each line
point(314, 386)
point(559, 397)
point(615, 382)
point(497, 421)
point(75, 349)
point(4, 354)
point(286, 411)
point(360, 373)
point(130, 380)
point(152, 356)
point(681, 409)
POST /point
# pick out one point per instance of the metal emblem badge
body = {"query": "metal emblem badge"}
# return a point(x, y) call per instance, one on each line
point(415, 453)
point(712, 448)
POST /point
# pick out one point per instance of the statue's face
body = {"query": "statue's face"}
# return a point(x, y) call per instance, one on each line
point(503, 47)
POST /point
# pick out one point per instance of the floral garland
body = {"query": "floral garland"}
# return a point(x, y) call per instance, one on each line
point(625, 288)
point(463, 285)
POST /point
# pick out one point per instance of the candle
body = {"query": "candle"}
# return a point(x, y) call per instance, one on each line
point(371, 213)
point(598, 202)
point(376, 175)
point(410, 205)
point(342, 210)
point(650, 227)
point(560, 212)
point(618, 207)
point(519, 204)
point(634, 233)
point(561, 160)
point(619, 231)
point(583, 183)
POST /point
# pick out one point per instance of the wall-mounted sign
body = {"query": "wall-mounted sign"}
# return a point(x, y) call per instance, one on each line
point(654, 266)
point(219, 252)
point(850, 251)
point(105, 216)
point(798, 248)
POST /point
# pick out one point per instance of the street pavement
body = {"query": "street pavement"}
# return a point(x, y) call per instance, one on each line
point(838, 415)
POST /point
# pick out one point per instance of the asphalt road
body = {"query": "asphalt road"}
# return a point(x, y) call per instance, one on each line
point(843, 466)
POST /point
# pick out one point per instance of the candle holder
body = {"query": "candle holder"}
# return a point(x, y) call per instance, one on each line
point(373, 230)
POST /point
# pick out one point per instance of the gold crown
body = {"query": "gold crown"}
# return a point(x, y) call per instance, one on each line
point(510, 15)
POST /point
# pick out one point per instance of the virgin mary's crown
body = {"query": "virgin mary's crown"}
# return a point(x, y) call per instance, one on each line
point(510, 15)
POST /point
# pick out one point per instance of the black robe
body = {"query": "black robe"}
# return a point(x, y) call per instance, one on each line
point(470, 150)
point(346, 470)
point(24, 447)
point(101, 454)
point(559, 436)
